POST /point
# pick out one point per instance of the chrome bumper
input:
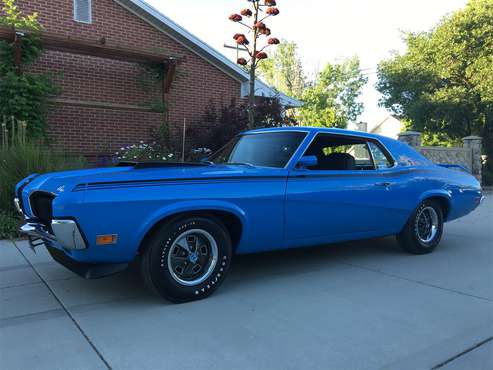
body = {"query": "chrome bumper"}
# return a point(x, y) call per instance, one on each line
point(66, 234)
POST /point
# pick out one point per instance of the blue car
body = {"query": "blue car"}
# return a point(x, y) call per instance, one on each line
point(267, 189)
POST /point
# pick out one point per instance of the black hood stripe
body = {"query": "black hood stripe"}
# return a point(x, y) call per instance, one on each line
point(157, 182)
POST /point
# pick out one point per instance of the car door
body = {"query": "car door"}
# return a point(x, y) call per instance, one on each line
point(340, 201)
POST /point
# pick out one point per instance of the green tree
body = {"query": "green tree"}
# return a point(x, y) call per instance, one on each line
point(443, 83)
point(23, 95)
point(332, 100)
point(284, 70)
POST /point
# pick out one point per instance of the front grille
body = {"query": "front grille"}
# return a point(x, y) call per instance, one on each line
point(41, 206)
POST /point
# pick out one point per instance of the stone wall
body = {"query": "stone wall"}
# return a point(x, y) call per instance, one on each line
point(468, 155)
point(437, 154)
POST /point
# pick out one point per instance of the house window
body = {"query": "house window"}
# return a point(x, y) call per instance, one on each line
point(83, 11)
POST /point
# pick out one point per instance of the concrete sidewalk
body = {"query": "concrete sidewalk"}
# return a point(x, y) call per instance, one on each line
point(363, 305)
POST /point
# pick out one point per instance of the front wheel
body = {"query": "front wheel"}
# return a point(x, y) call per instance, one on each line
point(423, 230)
point(187, 259)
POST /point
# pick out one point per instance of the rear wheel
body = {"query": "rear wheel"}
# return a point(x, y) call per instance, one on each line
point(187, 259)
point(423, 230)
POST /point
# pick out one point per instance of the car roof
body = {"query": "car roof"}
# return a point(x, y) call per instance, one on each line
point(309, 129)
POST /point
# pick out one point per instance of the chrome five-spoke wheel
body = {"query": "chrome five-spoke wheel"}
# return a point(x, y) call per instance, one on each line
point(427, 224)
point(187, 258)
point(192, 257)
point(424, 229)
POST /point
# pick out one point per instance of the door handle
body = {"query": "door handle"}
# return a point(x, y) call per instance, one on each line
point(384, 184)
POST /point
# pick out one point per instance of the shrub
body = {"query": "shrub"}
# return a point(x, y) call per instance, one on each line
point(8, 225)
point(197, 154)
point(17, 162)
point(221, 124)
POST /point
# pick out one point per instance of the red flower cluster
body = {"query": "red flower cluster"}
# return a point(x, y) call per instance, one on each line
point(274, 41)
point(265, 31)
point(272, 11)
point(246, 13)
point(270, 2)
point(260, 26)
point(242, 61)
point(235, 18)
point(262, 55)
point(241, 39)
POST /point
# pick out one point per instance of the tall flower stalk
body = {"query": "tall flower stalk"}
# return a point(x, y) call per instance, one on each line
point(254, 42)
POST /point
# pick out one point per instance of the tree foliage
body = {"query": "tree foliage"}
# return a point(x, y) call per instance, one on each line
point(284, 70)
point(332, 99)
point(443, 84)
point(224, 121)
point(23, 95)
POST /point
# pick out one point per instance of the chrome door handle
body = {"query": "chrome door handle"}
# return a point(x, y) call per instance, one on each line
point(384, 184)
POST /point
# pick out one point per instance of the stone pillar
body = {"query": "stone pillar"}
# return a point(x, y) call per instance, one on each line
point(412, 138)
point(362, 126)
point(475, 144)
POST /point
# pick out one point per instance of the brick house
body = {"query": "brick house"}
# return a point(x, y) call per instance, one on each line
point(107, 99)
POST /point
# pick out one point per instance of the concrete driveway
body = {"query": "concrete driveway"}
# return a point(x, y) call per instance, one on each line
point(363, 305)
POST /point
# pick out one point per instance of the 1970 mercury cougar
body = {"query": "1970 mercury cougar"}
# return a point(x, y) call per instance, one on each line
point(267, 189)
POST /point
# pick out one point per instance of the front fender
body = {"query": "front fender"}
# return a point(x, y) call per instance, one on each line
point(191, 206)
point(436, 193)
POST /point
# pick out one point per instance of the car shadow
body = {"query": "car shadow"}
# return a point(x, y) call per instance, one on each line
point(305, 260)
point(248, 270)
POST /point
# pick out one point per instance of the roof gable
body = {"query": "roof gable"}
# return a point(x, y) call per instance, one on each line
point(201, 48)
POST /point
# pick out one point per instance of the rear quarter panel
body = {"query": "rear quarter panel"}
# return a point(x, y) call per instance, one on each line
point(423, 179)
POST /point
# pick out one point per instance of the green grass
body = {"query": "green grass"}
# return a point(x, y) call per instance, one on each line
point(17, 163)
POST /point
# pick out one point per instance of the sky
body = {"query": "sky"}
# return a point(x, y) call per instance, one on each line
point(325, 31)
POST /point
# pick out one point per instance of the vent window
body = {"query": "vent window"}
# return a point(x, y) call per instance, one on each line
point(82, 11)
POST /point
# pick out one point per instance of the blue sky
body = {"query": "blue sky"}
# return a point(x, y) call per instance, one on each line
point(326, 31)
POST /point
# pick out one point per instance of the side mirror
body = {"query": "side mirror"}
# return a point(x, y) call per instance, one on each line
point(307, 161)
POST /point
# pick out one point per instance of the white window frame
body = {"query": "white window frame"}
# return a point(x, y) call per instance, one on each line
point(90, 12)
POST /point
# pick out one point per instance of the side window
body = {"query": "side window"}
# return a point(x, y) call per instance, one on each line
point(379, 157)
point(338, 152)
point(83, 11)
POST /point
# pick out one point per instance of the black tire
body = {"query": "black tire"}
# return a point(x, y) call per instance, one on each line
point(416, 237)
point(164, 257)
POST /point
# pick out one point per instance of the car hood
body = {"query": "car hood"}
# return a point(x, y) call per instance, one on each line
point(67, 181)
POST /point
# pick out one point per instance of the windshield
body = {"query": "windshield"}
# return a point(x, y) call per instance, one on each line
point(270, 149)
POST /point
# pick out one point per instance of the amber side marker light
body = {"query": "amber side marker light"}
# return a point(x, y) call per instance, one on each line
point(106, 239)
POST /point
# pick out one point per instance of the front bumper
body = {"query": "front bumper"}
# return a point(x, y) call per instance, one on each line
point(67, 236)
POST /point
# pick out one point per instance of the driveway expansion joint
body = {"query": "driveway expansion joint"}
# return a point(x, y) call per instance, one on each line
point(65, 309)
point(415, 281)
point(470, 349)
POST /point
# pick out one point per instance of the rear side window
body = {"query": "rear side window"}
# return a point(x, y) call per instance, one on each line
point(381, 159)
point(339, 153)
point(83, 11)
